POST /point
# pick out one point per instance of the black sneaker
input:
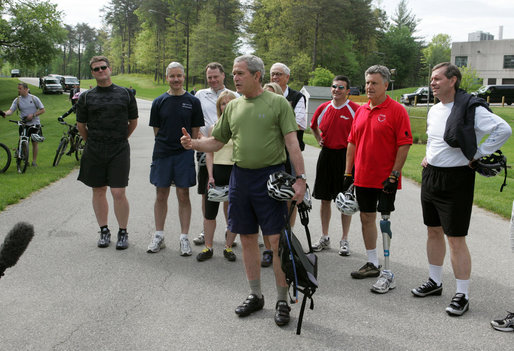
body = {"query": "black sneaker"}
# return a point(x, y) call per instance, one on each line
point(267, 258)
point(282, 310)
point(506, 324)
point(229, 254)
point(369, 270)
point(428, 288)
point(205, 254)
point(250, 305)
point(458, 306)
point(105, 238)
point(122, 242)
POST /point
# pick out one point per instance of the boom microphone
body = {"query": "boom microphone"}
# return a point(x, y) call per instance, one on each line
point(14, 245)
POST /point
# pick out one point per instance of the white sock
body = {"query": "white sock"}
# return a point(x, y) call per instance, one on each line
point(183, 236)
point(159, 233)
point(372, 256)
point(436, 273)
point(463, 287)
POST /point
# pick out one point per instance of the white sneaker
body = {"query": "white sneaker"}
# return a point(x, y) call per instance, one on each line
point(384, 283)
point(200, 239)
point(344, 248)
point(156, 244)
point(185, 247)
point(323, 243)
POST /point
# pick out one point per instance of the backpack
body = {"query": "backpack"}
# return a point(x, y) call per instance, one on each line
point(300, 268)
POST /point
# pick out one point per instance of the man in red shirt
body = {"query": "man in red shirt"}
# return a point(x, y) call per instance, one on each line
point(378, 145)
point(331, 124)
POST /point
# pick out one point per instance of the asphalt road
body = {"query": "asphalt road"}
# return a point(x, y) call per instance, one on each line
point(67, 294)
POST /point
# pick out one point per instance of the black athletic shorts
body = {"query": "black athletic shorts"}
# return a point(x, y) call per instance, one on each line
point(447, 198)
point(105, 164)
point(374, 200)
point(329, 173)
point(203, 178)
point(33, 129)
point(221, 174)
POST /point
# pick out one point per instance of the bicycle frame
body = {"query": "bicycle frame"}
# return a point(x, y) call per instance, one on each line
point(21, 156)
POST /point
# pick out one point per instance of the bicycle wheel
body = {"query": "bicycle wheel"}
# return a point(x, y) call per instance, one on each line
point(23, 157)
point(5, 158)
point(79, 147)
point(61, 149)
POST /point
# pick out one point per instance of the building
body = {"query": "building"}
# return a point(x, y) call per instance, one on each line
point(493, 60)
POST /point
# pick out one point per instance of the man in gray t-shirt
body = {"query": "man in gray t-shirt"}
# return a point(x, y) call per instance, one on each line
point(29, 107)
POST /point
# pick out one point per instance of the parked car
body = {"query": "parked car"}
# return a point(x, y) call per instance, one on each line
point(51, 85)
point(496, 92)
point(354, 91)
point(68, 82)
point(421, 94)
point(15, 73)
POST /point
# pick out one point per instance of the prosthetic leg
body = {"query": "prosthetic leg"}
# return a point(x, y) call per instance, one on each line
point(386, 280)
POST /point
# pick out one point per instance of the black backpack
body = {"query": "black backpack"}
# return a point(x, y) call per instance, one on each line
point(300, 268)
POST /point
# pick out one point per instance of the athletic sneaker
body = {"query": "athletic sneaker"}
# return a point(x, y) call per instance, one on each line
point(428, 288)
point(185, 247)
point(344, 249)
point(323, 243)
point(105, 238)
point(157, 244)
point(122, 242)
point(267, 258)
point(205, 254)
point(200, 239)
point(384, 283)
point(458, 306)
point(506, 324)
point(229, 254)
point(369, 270)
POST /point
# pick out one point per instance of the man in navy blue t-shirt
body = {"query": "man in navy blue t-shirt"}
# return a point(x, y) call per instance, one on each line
point(171, 163)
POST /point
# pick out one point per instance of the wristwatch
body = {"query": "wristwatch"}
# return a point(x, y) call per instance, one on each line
point(301, 176)
point(396, 174)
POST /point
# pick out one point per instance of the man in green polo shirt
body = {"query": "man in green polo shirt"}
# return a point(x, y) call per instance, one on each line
point(260, 124)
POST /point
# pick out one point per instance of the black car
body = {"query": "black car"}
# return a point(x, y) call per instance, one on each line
point(420, 95)
point(495, 93)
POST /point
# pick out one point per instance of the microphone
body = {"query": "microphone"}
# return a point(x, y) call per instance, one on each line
point(15, 244)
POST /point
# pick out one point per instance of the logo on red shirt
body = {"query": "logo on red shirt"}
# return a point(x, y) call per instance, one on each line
point(381, 118)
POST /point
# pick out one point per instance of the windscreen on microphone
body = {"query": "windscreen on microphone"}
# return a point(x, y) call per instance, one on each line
point(15, 244)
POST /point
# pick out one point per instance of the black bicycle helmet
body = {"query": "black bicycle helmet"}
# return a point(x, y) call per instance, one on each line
point(489, 166)
point(280, 186)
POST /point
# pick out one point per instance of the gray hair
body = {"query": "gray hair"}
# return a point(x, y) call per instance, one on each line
point(254, 64)
point(284, 68)
point(382, 70)
point(174, 65)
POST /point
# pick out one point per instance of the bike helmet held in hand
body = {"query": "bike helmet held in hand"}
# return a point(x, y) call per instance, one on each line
point(346, 202)
point(280, 186)
point(489, 166)
point(217, 193)
point(37, 138)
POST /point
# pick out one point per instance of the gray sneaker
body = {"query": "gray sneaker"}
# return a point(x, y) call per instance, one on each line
point(344, 248)
point(384, 283)
point(156, 244)
point(185, 247)
point(323, 243)
point(200, 239)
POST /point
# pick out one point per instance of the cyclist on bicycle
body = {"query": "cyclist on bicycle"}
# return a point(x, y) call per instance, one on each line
point(30, 108)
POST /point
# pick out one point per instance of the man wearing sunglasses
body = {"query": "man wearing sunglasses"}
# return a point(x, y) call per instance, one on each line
point(106, 117)
point(331, 124)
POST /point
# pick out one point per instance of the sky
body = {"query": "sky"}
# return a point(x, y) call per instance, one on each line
point(454, 17)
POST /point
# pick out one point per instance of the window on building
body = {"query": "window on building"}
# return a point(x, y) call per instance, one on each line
point(508, 81)
point(461, 61)
point(491, 81)
point(508, 61)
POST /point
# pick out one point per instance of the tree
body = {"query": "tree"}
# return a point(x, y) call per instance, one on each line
point(470, 79)
point(321, 77)
point(403, 17)
point(438, 50)
point(31, 32)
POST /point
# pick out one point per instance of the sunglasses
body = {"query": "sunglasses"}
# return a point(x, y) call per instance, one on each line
point(103, 68)
point(340, 87)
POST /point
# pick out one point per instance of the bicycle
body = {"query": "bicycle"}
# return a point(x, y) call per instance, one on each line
point(21, 153)
point(5, 158)
point(70, 137)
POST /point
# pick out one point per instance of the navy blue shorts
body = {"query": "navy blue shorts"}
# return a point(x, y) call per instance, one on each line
point(178, 170)
point(250, 207)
